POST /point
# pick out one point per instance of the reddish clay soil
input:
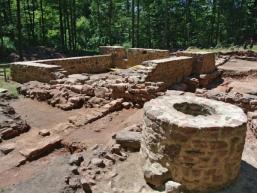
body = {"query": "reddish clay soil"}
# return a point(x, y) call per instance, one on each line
point(42, 116)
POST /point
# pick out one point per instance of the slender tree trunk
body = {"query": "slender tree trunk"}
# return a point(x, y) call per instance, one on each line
point(27, 23)
point(218, 23)
point(74, 26)
point(188, 22)
point(167, 25)
point(1, 35)
point(138, 20)
point(10, 10)
point(212, 35)
point(110, 21)
point(98, 19)
point(133, 23)
point(19, 26)
point(128, 16)
point(33, 22)
point(149, 33)
point(61, 24)
point(68, 24)
point(43, 36)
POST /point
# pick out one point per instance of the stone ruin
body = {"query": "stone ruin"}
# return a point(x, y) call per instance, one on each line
point(135, 76)
point(193, 141)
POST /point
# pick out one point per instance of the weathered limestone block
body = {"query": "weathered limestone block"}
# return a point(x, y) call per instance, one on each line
point(200, 141)
point(206, 79)
point(28, 71)
point(169, 70)
point(137, 55)
point(129, 139)
point(45, 146)
point(204, 62)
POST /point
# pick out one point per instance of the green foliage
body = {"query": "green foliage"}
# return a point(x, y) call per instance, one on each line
point(11, 87)
point(76, 26)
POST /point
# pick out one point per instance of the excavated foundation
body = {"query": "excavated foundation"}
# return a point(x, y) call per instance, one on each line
point(199, 141)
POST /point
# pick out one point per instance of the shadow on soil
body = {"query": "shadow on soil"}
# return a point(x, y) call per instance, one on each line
point(246, 182)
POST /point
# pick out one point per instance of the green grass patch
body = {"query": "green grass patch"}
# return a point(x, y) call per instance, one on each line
point(9, 85)
point(255, 48)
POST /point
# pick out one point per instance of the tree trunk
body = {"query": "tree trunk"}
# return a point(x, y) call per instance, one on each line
point(138, 20)
point(43, 36)
point(110, 21)
point(167, 25)
point(19, 26)
point(133, 23)
point(61, 24)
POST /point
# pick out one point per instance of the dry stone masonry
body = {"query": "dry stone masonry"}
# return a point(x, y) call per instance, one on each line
point(194, 141)
point(204, 62)
point(91, 81)
point(25, 72)
point(138, 55)
point(169, 70)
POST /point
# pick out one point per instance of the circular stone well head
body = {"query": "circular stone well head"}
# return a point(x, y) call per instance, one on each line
point(200, 141)
point(194, 109)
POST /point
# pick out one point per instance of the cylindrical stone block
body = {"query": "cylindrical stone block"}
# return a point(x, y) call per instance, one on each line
point(200, 141)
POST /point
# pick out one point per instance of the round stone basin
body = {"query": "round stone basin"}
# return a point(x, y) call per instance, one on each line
point(194, 109)
point(200, 141)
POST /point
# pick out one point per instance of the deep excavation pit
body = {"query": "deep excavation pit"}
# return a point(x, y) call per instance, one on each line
point(194, 141)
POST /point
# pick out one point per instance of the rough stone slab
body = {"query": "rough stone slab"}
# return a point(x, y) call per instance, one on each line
point(129, 139)
point(3, 90)
point(45, 146)
point(7, 147)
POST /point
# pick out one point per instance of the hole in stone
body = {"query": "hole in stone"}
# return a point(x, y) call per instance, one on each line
point(194, 109)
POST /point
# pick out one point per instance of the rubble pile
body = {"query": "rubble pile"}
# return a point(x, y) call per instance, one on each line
point(247, 102)
point(88, 168)
point(11, 125)
point(80, 90)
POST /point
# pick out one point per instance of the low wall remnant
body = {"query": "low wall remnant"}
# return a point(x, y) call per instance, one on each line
point(138, 55)
point(204, 62)
point(169, 70)
point(27, 71)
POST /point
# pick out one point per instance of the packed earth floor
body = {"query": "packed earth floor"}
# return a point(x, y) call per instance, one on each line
point(83, 132)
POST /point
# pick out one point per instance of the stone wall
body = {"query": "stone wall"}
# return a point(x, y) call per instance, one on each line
point(138, 55)
point(119, 55)
point(204, 62)
point(27, 71)
point(169, 70)
point(46, 70)
point(134, 56)
point(199, 141)
point(86, 64)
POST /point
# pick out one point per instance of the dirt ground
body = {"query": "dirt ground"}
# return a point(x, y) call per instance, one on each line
point(42, 116)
